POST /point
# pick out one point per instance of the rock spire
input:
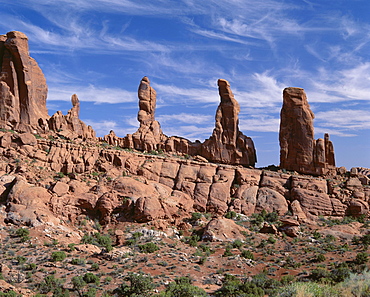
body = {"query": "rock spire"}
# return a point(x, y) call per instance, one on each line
point(299, 151)
point(227, 144)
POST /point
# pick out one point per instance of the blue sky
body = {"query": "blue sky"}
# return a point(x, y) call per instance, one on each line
point(100, 50)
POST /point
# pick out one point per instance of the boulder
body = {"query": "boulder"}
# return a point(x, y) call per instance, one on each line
point(222, 229)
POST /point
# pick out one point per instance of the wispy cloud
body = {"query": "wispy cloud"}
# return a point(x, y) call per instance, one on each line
point(185, 118)
point(91, 93)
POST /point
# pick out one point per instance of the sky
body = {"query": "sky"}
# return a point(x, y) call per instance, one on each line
point(101, 49)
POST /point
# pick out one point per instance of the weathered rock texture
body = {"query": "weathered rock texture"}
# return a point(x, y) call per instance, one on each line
point(23, 88)
point(149, 135)
point(23, 93)
point(148, 188)
point(299, 151)
point(70, 126)
point(227, 145)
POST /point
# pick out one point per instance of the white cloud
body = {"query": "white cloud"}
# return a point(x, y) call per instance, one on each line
point(185, 118)
point(91, 93)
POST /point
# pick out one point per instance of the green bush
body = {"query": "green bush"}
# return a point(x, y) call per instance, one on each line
point(182, 287)
point(231, 215)
point(49, 284)
point(138, 285)
point(78, 261)
point(23, 233)
point(58, 256)
point(98, 240)
point(362, 258)
point(91, 278)
point(233, 287)
point(149, 247)
point(247, 254)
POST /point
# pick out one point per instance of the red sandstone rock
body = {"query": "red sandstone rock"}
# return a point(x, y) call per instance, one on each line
point(70, 126)
point(222, 229)
point(298, 149)
point(227, 144)
point(23, 88)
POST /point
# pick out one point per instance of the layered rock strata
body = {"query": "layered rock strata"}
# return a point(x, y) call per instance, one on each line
point(299, 151)
point(147, 188)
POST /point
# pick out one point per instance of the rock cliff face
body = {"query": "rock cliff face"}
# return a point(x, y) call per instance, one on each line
point(142, 187)
point(299, 151)
point(227, 145)
point(22, 86)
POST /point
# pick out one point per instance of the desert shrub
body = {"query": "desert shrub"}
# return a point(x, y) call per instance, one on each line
point(362, 258)
point(258, 218)
point(233, 287)
point(10, 293)
point(98, 240)
point(50, 283)
point(149, 247)
point(21, 259)
point(247, 254)
point(192, 240)
point(91, 278)
point(137, 285)
point(94, 266)
point(227, 252)
point(237, 244)
point(195, 216)
point(319, 258)
point(340, 273)
point(71, 247)
point(23, 234)
point(78, 261)
point(319, 273)
point(30, 266)
point(268, 285)
point(58, 256)
point(182, 287)
point(231, 215)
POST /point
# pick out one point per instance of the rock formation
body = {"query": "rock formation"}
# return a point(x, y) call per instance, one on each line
point(23, 93)
point(299, 151)
point(149, 135)
point(70, 126)
point(227, 144)
point(23, 88)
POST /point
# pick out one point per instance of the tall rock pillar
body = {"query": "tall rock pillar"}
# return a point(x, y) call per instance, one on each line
point(227, 144)
point(299, 151)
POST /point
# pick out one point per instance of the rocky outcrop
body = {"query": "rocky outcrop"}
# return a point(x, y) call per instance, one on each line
point(299, 151)
point(227, 144)
point(23, 88)
point(70, 126)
